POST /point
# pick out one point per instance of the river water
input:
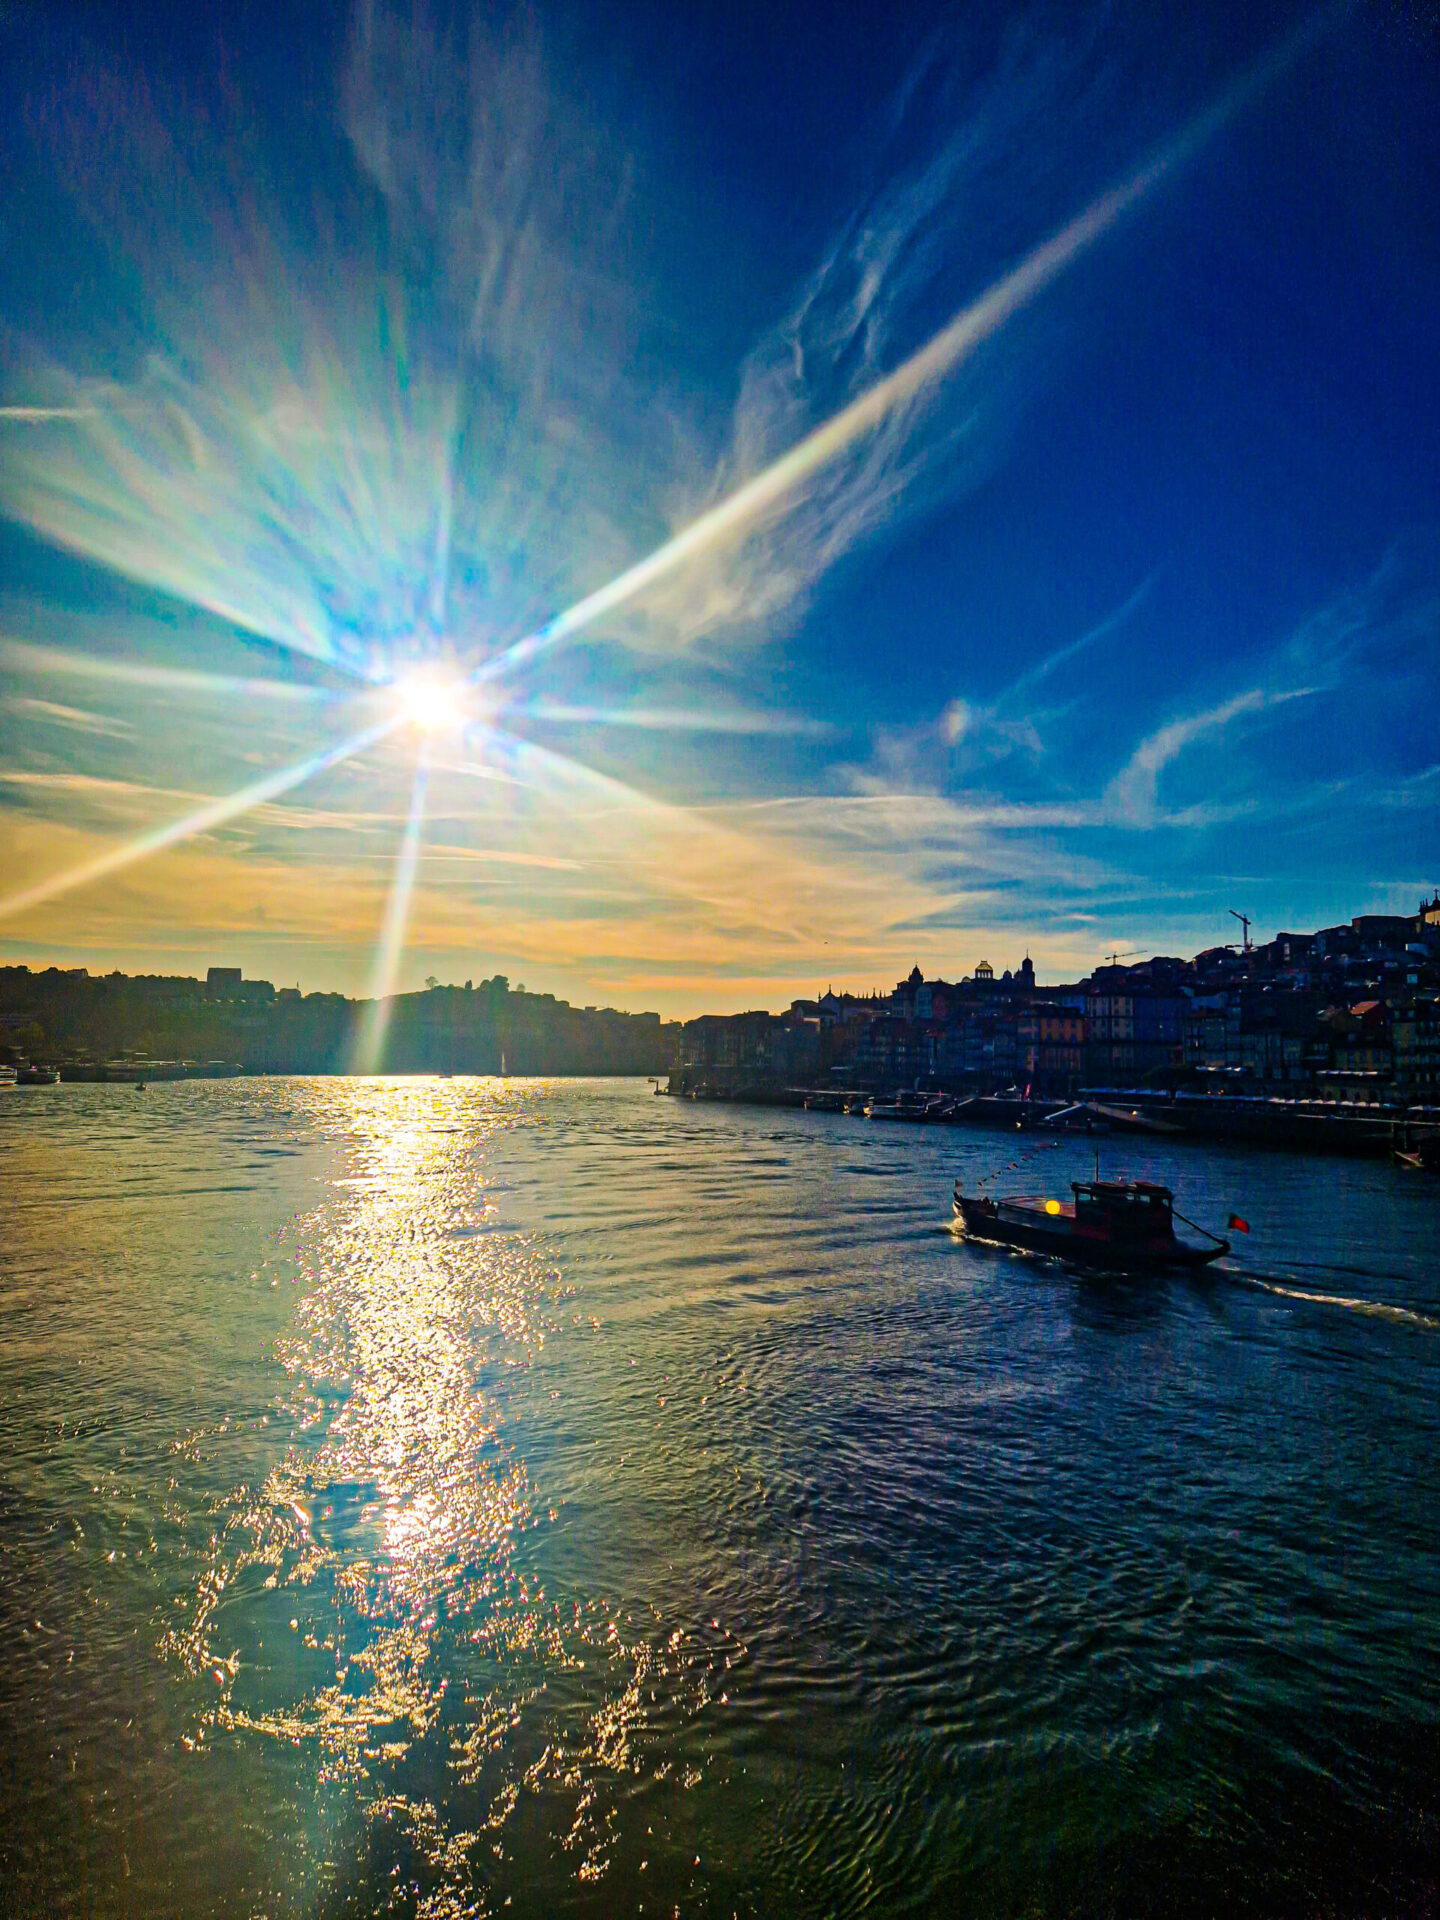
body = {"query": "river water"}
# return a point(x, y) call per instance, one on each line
point(470, 1496)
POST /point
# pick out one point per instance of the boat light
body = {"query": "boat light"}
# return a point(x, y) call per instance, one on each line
point(1052, 1206)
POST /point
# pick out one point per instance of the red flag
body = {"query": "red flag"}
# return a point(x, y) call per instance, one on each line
point(1237, 1224)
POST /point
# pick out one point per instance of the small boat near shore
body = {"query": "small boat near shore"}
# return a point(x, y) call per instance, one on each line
point(1417, 1150)
point(1094, 1116)
point(36, 1076)
point(1119, 1226)
point(904, 1106)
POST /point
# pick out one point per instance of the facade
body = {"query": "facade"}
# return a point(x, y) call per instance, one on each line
point(1415, 1052)
point(1051, 1042)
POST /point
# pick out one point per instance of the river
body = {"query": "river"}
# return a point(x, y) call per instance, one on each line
point(452, 1497)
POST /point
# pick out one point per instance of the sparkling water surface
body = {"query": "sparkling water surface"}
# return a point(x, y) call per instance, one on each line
point(471, 1496)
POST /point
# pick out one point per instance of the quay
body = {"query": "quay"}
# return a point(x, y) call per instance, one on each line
point(1355, 1128)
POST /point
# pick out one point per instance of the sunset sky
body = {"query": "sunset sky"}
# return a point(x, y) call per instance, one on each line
point(1096, 590)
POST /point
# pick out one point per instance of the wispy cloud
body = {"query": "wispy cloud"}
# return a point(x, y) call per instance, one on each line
point(44, 416)
point(25, 657)
point(1371, 651)
point(1111, 623)
point(1385, 623)
point(499, 856)
point(73, 781)
point(1009, 722)
point(822, 485)
point(75, 719)
point(1131, 799)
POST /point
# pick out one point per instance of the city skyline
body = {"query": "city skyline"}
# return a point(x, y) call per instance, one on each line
point(854, 500)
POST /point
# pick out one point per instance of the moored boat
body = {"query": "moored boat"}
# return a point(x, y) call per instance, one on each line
point(1417, 1149)
point(905, 1106)
point(36, 1076)
point(1117, 1225)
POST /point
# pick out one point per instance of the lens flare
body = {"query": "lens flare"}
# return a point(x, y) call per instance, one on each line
point(370, 1042)
point(743, 880)
point(213, 814)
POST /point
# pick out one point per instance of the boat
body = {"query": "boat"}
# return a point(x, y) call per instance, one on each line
point(33, 1076)
point(7, 1076)
point(1009, 1110)
point(1094, 1116)
point(1418, 1151)
point(1120, 1226)
point(1131, 1119)
point(905, 1106)
point(1080, 1118)
point(126, 1073)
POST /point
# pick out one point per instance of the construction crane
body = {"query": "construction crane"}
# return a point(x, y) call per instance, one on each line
point(1124, 953)
point(1244, 920)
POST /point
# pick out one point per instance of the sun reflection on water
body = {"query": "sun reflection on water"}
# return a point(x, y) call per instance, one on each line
point(368, 1600)
point(397, 1485)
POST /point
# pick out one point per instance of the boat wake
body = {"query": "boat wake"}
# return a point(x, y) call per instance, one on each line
point(1260, 1282)
point(1380, 1309)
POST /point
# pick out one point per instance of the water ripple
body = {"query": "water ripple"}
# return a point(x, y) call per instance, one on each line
point(501, 1492)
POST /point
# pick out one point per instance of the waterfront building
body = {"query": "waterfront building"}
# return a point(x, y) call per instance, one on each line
point(1415, 1051)
point(1051, 1042)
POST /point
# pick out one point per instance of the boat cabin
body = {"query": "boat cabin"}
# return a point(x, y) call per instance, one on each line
point(1129, 1214)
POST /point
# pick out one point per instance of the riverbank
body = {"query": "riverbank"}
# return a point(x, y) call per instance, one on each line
point(1352, 1128)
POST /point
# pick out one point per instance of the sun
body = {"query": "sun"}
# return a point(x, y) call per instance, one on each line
point(430, 702)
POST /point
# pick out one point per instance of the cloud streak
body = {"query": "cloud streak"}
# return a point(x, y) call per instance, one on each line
point(1131, 800)
point(24, 657)
point(73, 719)
point(900, 394)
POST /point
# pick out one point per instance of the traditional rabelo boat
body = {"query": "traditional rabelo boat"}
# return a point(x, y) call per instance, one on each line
point(1121, 1226)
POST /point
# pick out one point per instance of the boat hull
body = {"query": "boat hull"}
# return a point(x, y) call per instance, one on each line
point(982, 1221)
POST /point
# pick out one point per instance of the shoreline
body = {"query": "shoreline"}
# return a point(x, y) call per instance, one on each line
point(1352, 1129)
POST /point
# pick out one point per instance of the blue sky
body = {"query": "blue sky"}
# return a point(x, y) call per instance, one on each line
point(1111, 602)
